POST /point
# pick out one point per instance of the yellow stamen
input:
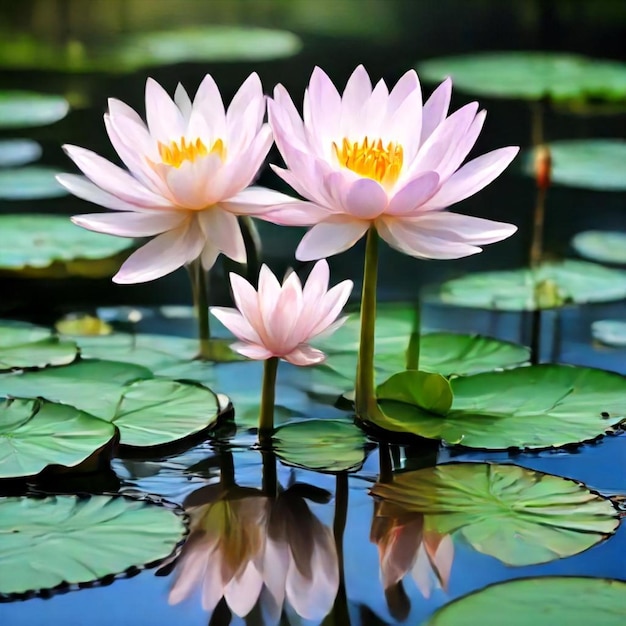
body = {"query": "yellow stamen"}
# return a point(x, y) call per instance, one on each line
point(180, 151)
point(371, 159)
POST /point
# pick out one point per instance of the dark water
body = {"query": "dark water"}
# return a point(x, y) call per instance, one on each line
point(410, 31)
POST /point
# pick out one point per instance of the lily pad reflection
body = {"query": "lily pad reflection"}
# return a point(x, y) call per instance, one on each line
point(28, 108)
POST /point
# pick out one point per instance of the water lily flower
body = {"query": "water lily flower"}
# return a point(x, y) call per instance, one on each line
point(188, 170)
point(379, 162)
point(277, 322)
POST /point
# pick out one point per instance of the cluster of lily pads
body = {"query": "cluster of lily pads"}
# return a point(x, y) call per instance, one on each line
point(74, 402)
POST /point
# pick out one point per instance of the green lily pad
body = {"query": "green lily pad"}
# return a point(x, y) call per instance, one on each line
point(131, 52)
point(51, 246)
point(530, 75)
point(586, 163)
point(610, 332)
point(30, 183)
point(431, 392)
point(95, 387)
point(601, 246)
point(24, 345)
point(542, 601)
point(321, 445)
point(549, 286)
point(59, 540)
point(18, 152)
point(35, 434)
point(527, 407)
point(519, 516)
point(28, 108)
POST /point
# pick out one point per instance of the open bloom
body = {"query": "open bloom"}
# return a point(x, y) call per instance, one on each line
point(188, 170)
point(374, 158)
point(280, 320)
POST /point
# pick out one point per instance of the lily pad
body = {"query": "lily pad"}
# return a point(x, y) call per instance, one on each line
point(519, 516)
point(18, 151)
point(321, 445)
point(30, 183)
point(35, 434)
point(542, 601)
point(527, 407)
point(131, 52)
point(431, 392)
point(549, 286)
point(24, 345)
point(601, 246)
point(587, 163)
point(530, 75)
point(610, 332)
point(51, 246)
point(28, 108)
point(60, 540)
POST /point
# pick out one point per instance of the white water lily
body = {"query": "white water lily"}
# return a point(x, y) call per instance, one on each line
point(188, 172)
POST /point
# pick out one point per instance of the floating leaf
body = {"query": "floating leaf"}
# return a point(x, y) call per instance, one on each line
point(47, 542)
point(35, 434)
point(28, 108)
point(160, 411)
point(542, 601)
point(601, 246)
point(95, 387)
point(25, 345)
point(610, 332)
point(551, 285)
point(131, 52)
point(321, 445)
point(30, 183)
point(50, 245)
point(519, 516)
point(431, 392)
point(530, 75)
point(586, 163)
point(83, 325)
point(18, 151)
point(528, 407)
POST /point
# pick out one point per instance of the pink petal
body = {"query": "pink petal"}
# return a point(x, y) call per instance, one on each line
point(405, 125)
point(208, 102)
point(366, 199)
point(358, 90)
point(209, 255)
point(436, 108)
point(242, 592)
point(117, 108)
point(297, 213)
point(246, 300)
point(257, 200)
point(251, 351)
point(316, 284)
point(162, 255)
point(284, 323)
point(330, 307)
point(131, 224)
point(472, 177)
point(165, 121)
point(331, 237)
point(183, 101)
point(304, 356)
point(414, 240)
point(236, 323)
point(285, 120)
point(408, 83)
point(222, 228)
point(114, 179)
point(86, 190)
point(188, 183)
point(322, 106)
point(413, 194)
point(374, 111)
point(245, 115)
point(465, 228)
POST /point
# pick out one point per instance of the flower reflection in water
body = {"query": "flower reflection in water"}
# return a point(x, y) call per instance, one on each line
point(266, 546)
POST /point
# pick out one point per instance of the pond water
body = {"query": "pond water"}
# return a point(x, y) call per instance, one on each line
point(343, 541)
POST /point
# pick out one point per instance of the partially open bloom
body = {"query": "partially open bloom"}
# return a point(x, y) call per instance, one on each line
point(374, 158)
point(188, 170)
point(280, 320)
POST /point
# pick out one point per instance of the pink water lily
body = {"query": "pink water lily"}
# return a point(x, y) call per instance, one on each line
point(375, 158)
point(278, 321)
point(188, 170)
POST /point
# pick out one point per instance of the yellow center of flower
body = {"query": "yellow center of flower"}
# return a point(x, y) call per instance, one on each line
point(180, 151)
point(371, 159)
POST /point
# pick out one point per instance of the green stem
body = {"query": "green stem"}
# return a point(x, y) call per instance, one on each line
point(413, 351)
point(385, 473)
point(268, 394)
point(365, 392)
point(201, 304)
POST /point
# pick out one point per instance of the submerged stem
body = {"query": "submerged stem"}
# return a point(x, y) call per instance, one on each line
point(365, 396)
point(201, 305)
point(536, 248)
point(268, 394)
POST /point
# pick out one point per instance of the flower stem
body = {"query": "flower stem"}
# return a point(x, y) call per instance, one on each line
point(413, 350)
point(365, 396)
point(201, 304)
point(268, 394)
